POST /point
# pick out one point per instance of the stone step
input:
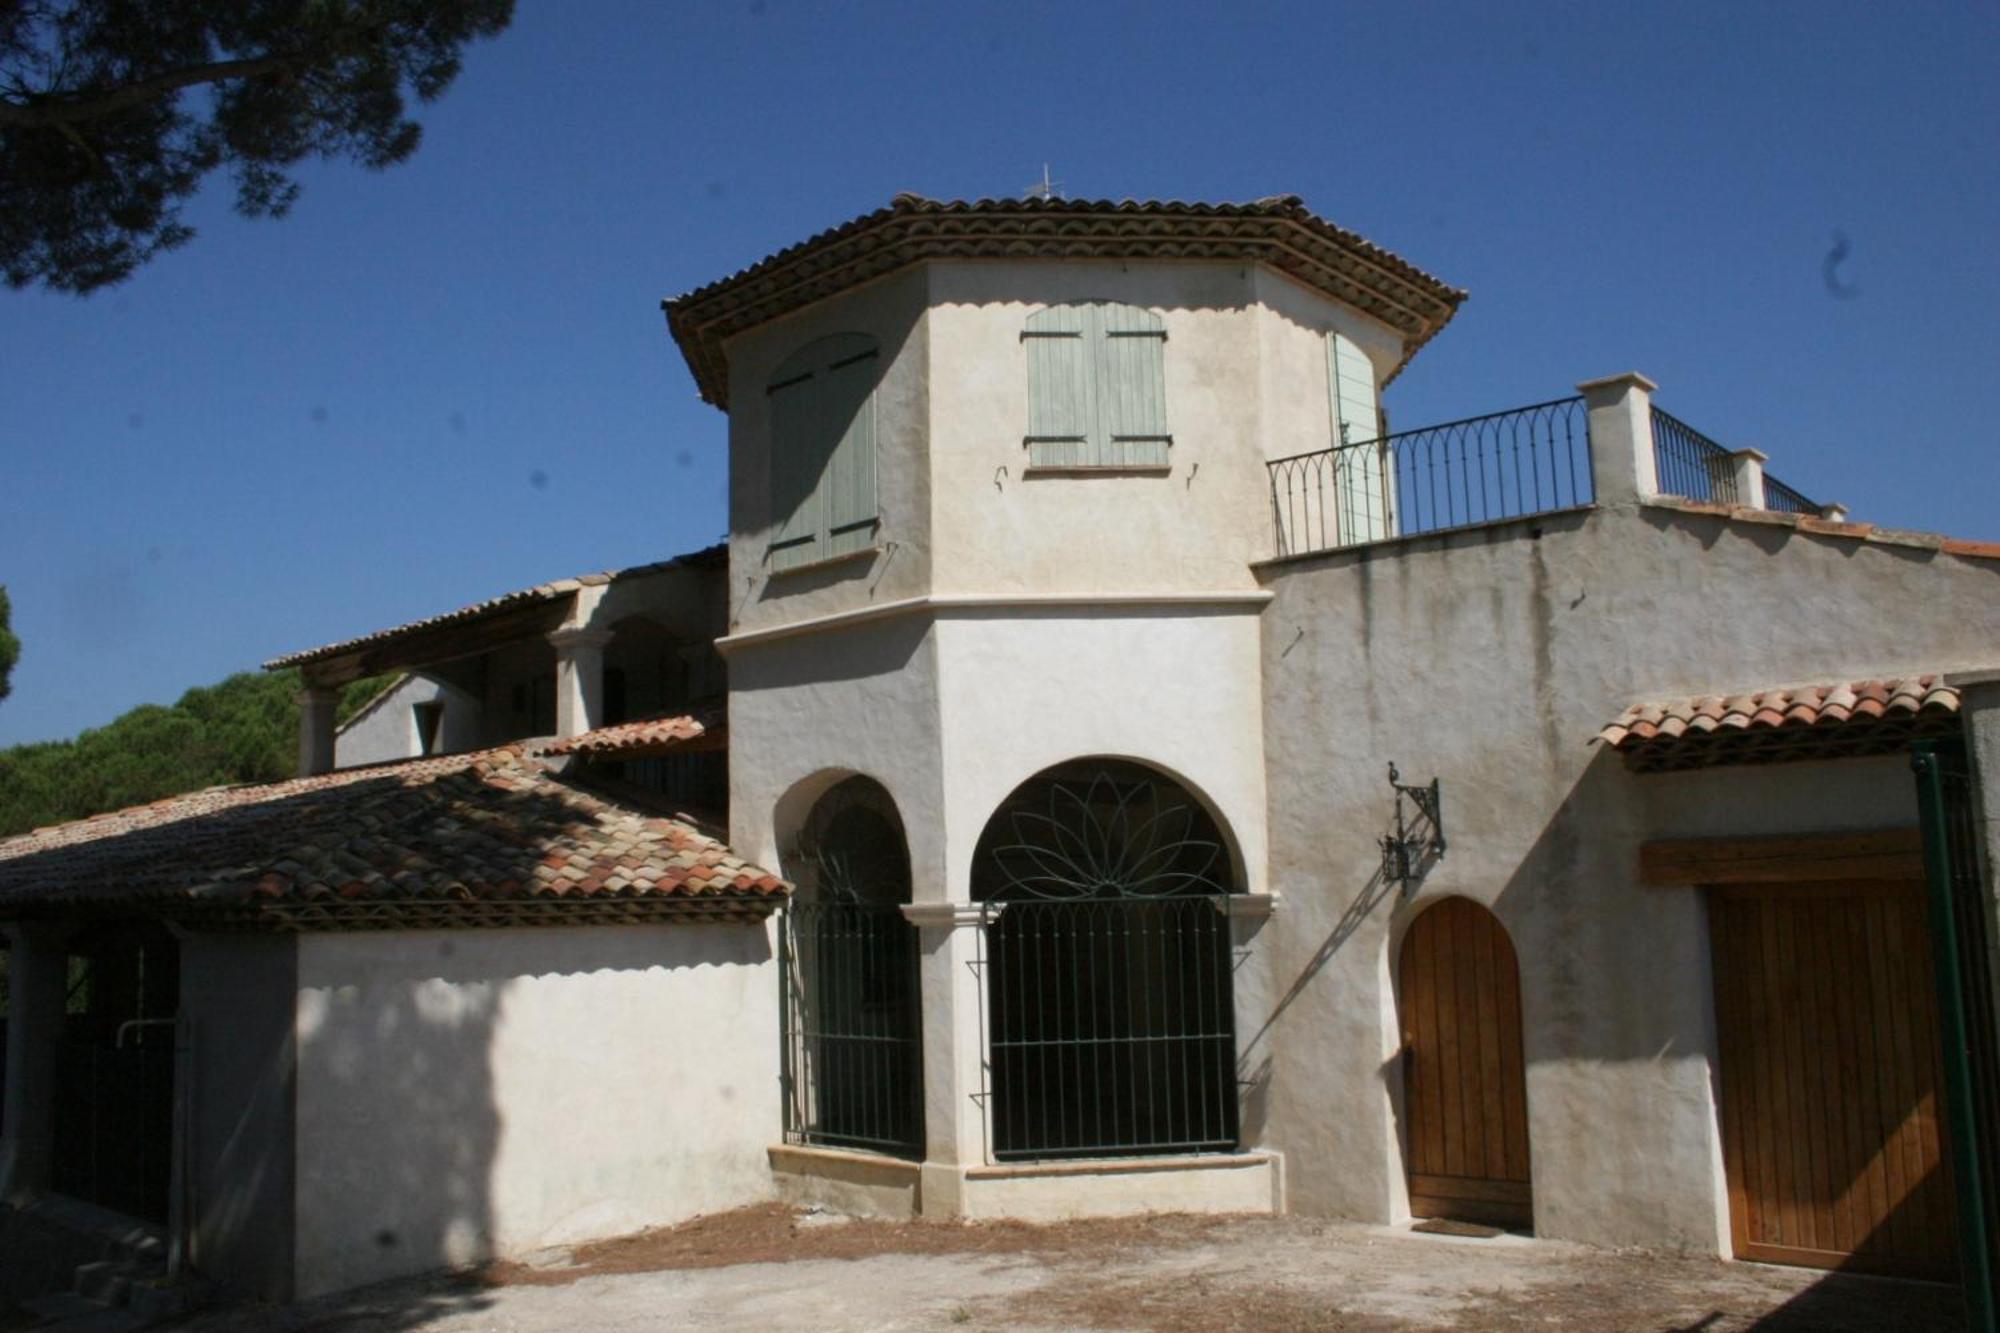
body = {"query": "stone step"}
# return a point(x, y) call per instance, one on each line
point(63, 1305)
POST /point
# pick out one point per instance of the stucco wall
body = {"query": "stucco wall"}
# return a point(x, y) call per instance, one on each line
point(387, 728)
point(1490, 659)
point(1245, 380)
point(236, 994)
point(893, 311)
point(472, 1093)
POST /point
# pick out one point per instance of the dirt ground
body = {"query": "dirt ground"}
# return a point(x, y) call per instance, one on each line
point(778, 1268)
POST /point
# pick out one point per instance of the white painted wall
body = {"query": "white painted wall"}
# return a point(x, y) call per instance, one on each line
point(473, 1093)
point(387, 728)
point(1490, 660)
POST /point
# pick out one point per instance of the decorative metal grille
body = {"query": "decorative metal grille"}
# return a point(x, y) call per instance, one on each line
point(1531, 460)
point(1112, 1011)
point(853, 1055)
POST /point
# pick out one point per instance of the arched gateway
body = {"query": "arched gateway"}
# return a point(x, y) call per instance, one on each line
point(853, 1050)
point(1112, 1015)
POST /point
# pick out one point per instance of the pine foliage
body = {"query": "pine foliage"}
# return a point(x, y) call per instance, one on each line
point(244, 729)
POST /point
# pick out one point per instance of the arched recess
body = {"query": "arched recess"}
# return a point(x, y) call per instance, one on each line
point(1465, 1097)
point(853, 1070)
point(1111, 1007)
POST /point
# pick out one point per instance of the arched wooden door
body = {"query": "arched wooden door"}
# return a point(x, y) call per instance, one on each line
point(1465, 1094)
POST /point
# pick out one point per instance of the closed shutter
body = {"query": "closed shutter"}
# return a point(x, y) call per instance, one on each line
point(1061, 404)
point(1096, 386)
point(851, 514)
point(822, 411)
point(1131, 399)
point(1363, 487)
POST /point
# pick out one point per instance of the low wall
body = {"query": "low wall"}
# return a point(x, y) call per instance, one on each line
point(471, 1094)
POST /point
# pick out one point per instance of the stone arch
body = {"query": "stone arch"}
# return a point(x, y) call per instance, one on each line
point(853, 1070)
point(1109, 977)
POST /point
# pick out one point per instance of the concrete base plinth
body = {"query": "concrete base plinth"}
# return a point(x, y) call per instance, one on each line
point(1248, 1182)
point(858, 1184)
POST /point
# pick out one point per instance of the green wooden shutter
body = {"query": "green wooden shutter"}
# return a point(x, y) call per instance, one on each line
point(851, 512)
point(1131, 387)
point(1096, 386)
point(795, 510)
point(822, 411)
point(1363, 495)
point(1062, 405)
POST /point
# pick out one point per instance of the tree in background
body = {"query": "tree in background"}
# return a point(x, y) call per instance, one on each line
point(113, 111)
point(10, 646)
point(244, 729)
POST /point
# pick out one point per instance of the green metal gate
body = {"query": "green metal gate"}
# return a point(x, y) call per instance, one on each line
point(1960, 915)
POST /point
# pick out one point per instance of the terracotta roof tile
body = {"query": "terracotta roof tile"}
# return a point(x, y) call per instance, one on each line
point(1279, 231)
point(488, 826)
point(653, 735)
point(1799, 722)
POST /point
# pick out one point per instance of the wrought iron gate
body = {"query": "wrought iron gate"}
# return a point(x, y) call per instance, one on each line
point(1111, 1008)
point(853, 1047)
point(853, 1054)
point(1960, 924)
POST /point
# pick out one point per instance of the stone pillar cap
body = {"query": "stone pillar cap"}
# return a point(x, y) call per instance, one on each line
point(1618, 381)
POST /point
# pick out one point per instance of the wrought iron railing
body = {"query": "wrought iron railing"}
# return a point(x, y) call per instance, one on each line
point(1784, 499)
point(1112, 1028)
point(852, 1056)
point(699, 780)
point(1688, 463)
point(1485, 469)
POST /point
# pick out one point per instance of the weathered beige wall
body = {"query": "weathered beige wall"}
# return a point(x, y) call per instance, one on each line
point(1245, 367)
point(1490, 659)
point(472, 1093)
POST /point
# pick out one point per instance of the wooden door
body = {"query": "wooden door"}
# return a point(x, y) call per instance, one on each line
point(1465, 1093)
point(1833, 1139)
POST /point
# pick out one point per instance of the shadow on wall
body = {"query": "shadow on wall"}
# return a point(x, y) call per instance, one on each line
point(397, 1120)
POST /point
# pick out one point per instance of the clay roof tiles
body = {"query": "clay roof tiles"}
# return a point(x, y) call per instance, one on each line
point(1279, 231)
point(506, 601)
point(1797, 722)
point(656, 735)
point(490, 827)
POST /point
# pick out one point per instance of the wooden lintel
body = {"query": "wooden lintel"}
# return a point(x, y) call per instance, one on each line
point(1896, 853)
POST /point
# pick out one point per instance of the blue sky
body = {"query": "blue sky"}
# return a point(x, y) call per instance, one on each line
point(451, 379)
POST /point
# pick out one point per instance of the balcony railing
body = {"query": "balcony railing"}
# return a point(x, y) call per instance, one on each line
point(1531, 460)
point(1688, 463)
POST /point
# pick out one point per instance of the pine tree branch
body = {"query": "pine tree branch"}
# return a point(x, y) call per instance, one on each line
point(54, 111)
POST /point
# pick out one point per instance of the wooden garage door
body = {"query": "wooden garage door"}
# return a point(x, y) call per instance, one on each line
point(1464, 1087)
point(1832, 1135)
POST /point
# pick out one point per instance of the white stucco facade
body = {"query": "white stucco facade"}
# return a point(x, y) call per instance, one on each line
point(469, 1094)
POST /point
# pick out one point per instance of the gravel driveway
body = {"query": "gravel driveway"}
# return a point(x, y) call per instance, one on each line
point(775, 1268)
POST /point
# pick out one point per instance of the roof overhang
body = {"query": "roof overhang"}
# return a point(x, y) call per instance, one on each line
point(1841, 721)
point(1279, 232)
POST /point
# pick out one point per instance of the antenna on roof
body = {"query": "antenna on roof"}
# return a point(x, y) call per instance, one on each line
point(1044, 188)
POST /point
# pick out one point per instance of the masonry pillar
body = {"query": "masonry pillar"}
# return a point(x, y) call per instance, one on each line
point(316, 706)
point(951, 950)
point(1979, 706)
point(579, 679)
point(1621, 437)
point(37, 977)
point(1747, 467)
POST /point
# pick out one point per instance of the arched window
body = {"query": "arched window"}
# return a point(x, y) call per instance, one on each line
point(1096, 386)
point(853, 1066)
point(822, 408)
point(1112, 1021)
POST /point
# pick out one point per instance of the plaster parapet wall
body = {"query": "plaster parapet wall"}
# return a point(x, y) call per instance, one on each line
point(467, 1094)
point(1489, 659)
point(387, 728)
